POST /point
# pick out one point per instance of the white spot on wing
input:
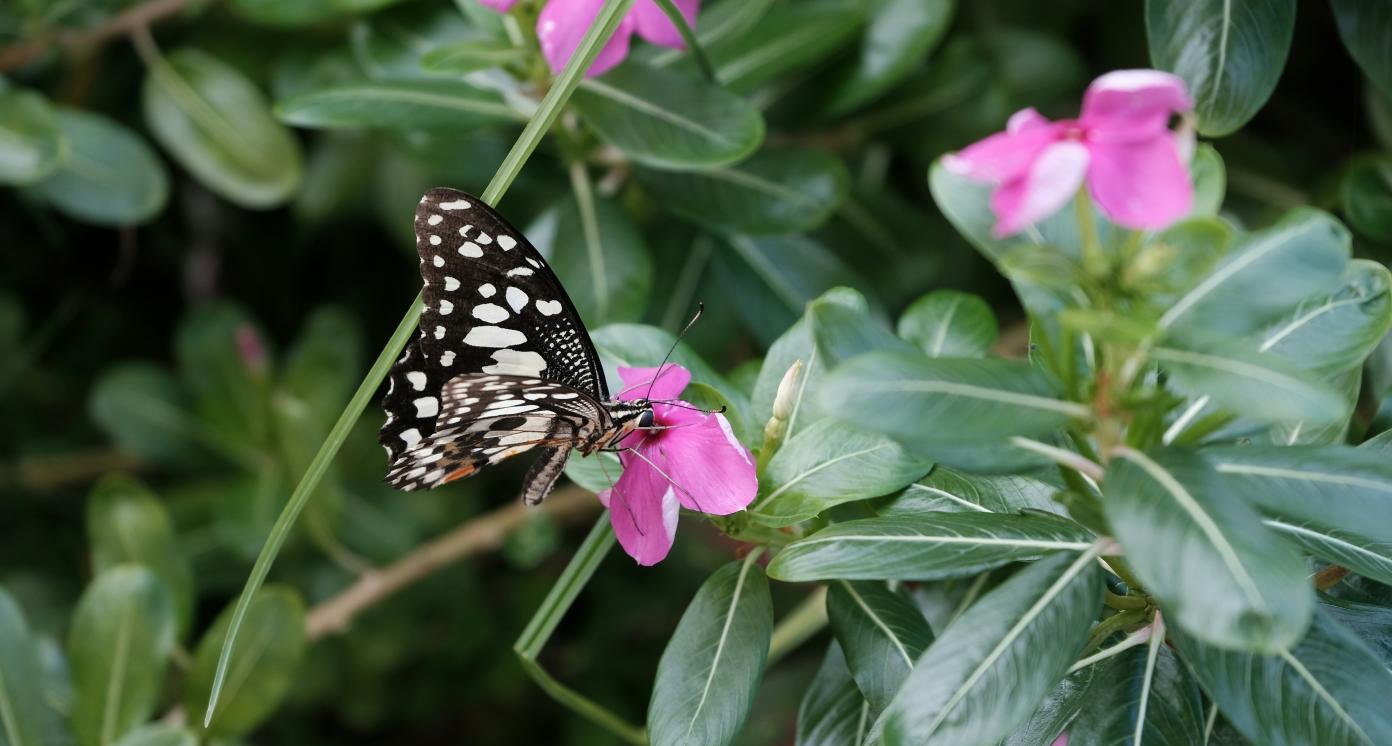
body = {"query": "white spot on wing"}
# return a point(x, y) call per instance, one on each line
point(434, 240)
point(548, 307)
point(439, 332)
point(427, 406)
point(487, 290)
point(484, 238)
point(447, 358)
point(446, 307)
point(471, 250)
point(451, 284)
point(520, 272)
point(458, 204)
point(494, 336)
point(490, 313)
point(506, 242)
point(411, 437)
point(434, 220)
point(438, 261)
point(516, 298)
point(516, 363)
point(417, 380)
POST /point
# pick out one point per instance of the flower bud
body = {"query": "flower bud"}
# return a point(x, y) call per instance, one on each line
point(786, 399)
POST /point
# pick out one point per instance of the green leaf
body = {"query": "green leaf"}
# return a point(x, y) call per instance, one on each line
point(393, 45)
point(26, 719)
point(897, 38)
point(1337, 332)
point(843, 332)
point(1367, 557)
point(1237, 377)
point(1266, 275)
point(640, 346)
point(985, 674)
point(224, 364)
point(121, 637)
point(1365, 26)
point(217, 124)
point(950, 491)
point(598, 254)
point(262, 670)
point(109, 177)
point(397, 104)
point(1142, 695)
point(1210, 180)
point(882, 633)
point(833, 712)
point(323, 366)
point(948, 323)
point(668, 120)
point(1178, 522)
point(278, 14)
point(930, 546)
point(911, 395)
point(127, 524)
point(773, 192)
point(31, 141)
point(1367, 197)
point(776, 277)
point(1059, 709)
point(1371, 622)
point(159, 735)
point(1329, 689)
point(711, 667)
point(1230, 52)
point(829, 463)
point(791, 37)
point(144, 410)
point(464, 57)
point(1338, 487)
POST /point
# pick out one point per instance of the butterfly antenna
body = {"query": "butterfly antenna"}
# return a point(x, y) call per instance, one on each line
point(680, 405)
point(699, 308)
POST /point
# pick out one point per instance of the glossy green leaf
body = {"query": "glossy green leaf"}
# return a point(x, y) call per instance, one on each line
point(712, 665)
point(599, 256)
point(25, 718)
point(775, 277)
point(668, 120)
point(225, 365)
point(1337, 332)
point(1143, 695)
point(1178, 521)
point(950, 491)
point(899, 35)
point(929, 546)
point(126, 523)
point(791, 37)
point(1210, 180)
point(144, 410)
point(1371, 622)
point(159, 735)
point(1057, 710)
point(324, 365)
point(1367, 557)
point(1329, 689)
point(773, 192)
point(988, 671)
point(881, 632)
point(829, 463)
point(1365, 26)
point(32, 143)
point(1230, 52)
point(1266, 275)
point(262, 670)
point(119, 644)
point(109, 175)
point(1237, 377)
point(911, 395)
point(218, 126)
point(1367, 197)
point(640, 346)
point(423, 104)
point(842, 332)
point(1342, 488)
point(833, 711)
point(948, 323)
point(469, 56)
point(718, 22)
point(393, 45)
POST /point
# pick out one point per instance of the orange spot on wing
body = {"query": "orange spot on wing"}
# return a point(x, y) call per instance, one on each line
point(460, 473)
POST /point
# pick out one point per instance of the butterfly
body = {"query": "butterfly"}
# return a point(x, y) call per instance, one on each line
point(502, 365)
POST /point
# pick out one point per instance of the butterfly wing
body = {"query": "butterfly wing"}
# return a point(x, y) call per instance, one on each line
point(485, 419)
point(491, 306)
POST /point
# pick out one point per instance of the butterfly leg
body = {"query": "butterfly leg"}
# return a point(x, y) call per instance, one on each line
point(541, 478)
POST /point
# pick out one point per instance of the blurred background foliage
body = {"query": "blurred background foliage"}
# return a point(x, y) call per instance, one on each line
point(206, 233)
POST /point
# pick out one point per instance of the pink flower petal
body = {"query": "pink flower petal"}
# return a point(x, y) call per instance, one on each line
point(1006, 156)
point(643, 511)
point(669, 384)
point(1062, 740)
point(1142, 185)
point(502, 6)
point(712, 468)
point(1051, 182)
point(654, 25)
point(1128, 105)
point(563, 23)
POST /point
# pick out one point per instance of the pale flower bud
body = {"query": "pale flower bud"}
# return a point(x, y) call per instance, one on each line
point(786, 399)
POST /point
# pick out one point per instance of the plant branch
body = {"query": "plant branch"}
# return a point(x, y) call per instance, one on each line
point(123, 23)
point(803, 622)
point(476, 536)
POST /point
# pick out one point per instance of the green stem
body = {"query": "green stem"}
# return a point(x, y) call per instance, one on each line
point(1110, 626)
point(550, 108)
point(794, 629)
point(1124, 572)
point(567, 587)
point(688, 38)
point(1124, 603)
point(1094, 261)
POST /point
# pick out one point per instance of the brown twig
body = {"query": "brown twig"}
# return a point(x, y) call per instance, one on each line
point(49, 473)
point(121, 24)
point(482, 534)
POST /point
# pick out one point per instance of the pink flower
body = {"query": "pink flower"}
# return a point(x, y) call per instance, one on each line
point(563, 23)
point(1121, 146)
point(502, 6)
point(696, 463)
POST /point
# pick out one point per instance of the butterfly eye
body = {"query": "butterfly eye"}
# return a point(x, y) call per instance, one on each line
point(645, 419)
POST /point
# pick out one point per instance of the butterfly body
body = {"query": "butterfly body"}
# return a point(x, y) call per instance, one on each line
point(502, 365)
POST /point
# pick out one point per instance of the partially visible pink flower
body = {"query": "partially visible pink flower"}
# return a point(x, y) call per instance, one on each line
point(563, 23)
point(1062, 740)
point(1122, 147)
point(696, 463)
point(502, 6)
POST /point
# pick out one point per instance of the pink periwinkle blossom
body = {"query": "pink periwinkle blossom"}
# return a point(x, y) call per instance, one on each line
point(563, 23)
point(1121, 147)
point(690, 459)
